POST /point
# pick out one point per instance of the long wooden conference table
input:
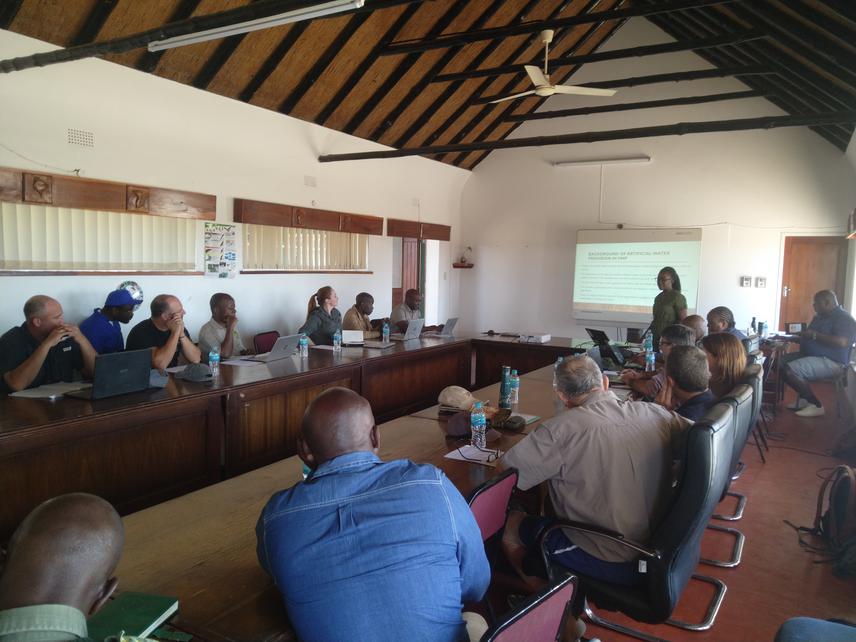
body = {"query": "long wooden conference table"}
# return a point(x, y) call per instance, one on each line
point(201, 547)
point(141, 449)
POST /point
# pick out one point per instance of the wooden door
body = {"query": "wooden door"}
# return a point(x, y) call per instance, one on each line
point(811, 263)
point(409, 269)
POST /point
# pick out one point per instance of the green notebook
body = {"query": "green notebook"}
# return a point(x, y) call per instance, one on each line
point(136, 614)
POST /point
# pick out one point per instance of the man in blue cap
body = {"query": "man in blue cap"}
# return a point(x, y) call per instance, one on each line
point(102, 326)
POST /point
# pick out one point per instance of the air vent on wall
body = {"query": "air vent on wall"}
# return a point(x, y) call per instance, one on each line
point(81, 137)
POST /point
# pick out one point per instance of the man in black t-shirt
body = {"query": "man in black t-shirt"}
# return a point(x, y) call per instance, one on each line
point(164, 333)
point(44, 349)
point(687, 389)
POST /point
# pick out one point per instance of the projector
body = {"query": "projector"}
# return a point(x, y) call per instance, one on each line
point(534, 337)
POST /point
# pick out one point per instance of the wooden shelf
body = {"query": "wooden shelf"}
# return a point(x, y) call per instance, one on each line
point(462, 265)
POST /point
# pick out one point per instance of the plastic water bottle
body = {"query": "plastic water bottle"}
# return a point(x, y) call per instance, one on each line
point(337, 341)
point(556, 372)
point(385, 332)
point(505, 388)
point(303, 344)
point(214, 361)
point(515, 388)
point(478, 426)
point(306, 471)
point(650, 357)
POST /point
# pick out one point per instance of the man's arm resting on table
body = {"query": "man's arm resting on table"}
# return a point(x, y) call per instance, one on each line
point(188, 349)
point(161, 357)
point(21, 376)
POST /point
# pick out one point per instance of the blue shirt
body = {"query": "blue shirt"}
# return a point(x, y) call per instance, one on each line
point(104, 335)
point(737, 333)
point(837, 323)
point(367, 550)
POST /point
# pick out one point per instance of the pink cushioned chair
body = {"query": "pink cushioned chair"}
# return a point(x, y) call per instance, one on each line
point(263, 342)
point(540, 620)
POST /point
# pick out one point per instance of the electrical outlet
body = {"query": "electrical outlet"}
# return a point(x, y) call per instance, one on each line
point(760, 281)
point(745, 281)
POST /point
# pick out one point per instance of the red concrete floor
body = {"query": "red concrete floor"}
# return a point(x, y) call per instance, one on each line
point(776, 579)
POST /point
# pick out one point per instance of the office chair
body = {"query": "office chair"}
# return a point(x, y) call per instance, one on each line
point(263, 342)
point(539, 620)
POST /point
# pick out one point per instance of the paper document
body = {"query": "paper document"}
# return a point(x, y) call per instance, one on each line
point(51, 390)
point(486, 457)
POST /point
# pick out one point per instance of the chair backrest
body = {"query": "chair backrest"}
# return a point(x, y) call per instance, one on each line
point(540, 620)
point(741, 399)
point(751, 343)
point(489, 502)
point(753, 377)
point(677, 537)
point(263, 342)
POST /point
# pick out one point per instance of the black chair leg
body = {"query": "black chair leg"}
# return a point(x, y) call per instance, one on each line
point(758, 446)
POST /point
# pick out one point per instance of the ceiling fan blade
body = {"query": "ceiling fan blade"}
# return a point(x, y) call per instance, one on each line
point(536, 75)
point(583, 91)
point(512, 97)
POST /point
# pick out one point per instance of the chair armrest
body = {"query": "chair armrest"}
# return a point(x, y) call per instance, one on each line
point(605, 533)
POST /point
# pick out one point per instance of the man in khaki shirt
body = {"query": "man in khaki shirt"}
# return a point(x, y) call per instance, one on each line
point(607, 463)
point(358, 317)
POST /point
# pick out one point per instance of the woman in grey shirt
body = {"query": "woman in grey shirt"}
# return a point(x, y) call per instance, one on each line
point(322, 317)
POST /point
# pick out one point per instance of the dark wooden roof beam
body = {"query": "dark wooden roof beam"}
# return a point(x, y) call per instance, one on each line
point(844, 8)
point(96, 19)
point(647, 104)
point(8, 11)
point(654, 79)
point(148, 62)
point(460, 39)
point(216, 60)
point(616, 54)
point(272, 61)
point(677, 129)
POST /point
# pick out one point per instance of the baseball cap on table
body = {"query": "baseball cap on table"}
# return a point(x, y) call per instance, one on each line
point(118, 298)
point(456, 397)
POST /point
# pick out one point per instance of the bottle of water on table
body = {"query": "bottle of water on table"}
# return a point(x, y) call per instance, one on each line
point(214, 360)
point(515, 388)
point(478, 426)
point(337, 341)
point(385, 332)
point(303, 344)
point(650, 357)
point(505, 388)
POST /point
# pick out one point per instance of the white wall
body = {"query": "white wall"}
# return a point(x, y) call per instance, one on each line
point(153, 131)
point(746, 189)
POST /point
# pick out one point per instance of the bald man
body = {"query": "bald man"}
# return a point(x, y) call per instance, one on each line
point(44, 349)
point(59, 569)
point(824, 351)
point(165, 334)
point(367, 550)
point(697, 324)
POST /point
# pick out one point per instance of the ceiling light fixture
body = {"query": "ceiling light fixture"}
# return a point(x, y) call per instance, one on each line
point(295, 15)
point(602, 161)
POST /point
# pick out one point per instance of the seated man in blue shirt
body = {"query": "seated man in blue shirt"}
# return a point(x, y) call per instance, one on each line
point(824, 351)
point(365, 549)
point(102, 326)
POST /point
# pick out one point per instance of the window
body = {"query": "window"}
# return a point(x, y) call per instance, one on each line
point(268, 247)
point(39, 237)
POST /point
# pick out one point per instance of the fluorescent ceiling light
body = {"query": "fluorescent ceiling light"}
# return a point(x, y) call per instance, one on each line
point(296, 15)
point(602, 161)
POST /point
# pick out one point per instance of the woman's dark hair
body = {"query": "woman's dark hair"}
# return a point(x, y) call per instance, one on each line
point(729, 357)
point(676, 280)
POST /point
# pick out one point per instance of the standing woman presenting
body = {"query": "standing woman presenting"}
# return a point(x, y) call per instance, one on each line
point(670, 306)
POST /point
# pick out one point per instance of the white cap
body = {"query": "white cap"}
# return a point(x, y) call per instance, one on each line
point(456, 397)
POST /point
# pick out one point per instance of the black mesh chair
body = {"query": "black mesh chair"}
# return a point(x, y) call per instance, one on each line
point(753, 377)
point(673, 553)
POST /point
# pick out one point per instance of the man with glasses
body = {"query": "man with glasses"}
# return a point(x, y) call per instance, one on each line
point(606, 463)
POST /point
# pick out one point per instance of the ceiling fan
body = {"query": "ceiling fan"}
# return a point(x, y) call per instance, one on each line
point(541, 79)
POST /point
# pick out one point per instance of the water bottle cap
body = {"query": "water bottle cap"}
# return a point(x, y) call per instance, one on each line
point(477, 405)
point(514, 372)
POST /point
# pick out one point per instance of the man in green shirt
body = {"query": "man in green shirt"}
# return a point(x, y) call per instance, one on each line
point(59, 569)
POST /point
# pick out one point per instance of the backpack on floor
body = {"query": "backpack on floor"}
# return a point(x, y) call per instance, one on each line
point(835, 521)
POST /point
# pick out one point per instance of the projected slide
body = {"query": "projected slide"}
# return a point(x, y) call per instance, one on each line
point(616, 270)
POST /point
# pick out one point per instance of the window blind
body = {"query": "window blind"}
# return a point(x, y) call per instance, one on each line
point(268, 247)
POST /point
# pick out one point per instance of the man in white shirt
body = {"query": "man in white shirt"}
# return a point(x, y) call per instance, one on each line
point(222, 330)
point(404, 313)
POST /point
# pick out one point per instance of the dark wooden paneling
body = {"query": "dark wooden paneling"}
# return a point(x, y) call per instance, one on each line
point(263, 421)
point(166, 202)
point(11, 185)
point(398, 227)
point(492, 354)
point(247, 211)
point(133, 460)
point(359, 224)
point(436, 232)
point(313, 219)
point(399, 384)
point(90, 195)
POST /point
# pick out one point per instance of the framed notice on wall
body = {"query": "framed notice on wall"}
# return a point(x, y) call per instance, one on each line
point(221, 259)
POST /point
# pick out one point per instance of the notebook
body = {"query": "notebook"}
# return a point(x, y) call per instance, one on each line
point(414, 329)
point(448, 330)
point(284, 347)
point(352, 337)
point(117, 373)
point(137, 614)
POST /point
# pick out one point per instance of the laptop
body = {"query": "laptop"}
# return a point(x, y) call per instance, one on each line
point(414, 329)
point(448, 330)
point(117, 373)
point(606, 352)
point(283, 348)
point(352, 337)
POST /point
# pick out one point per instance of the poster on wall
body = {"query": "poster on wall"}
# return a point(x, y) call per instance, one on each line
point(221, 259)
